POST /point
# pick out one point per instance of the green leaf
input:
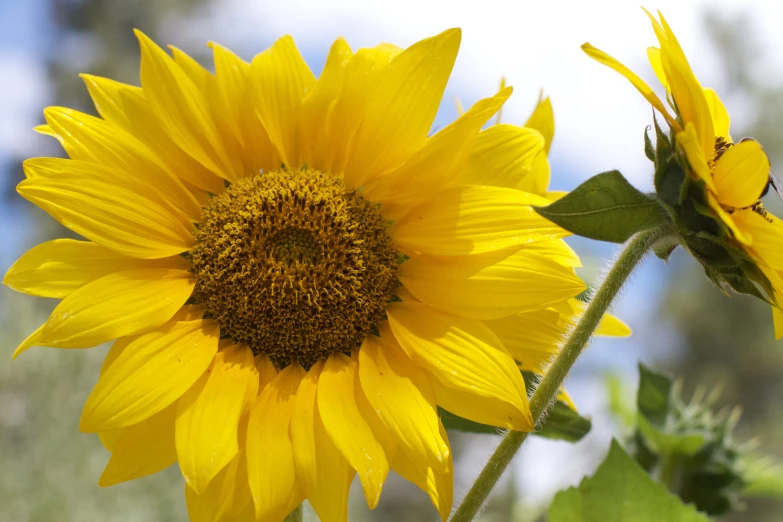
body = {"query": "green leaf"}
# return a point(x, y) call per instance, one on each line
point(670, 443)
point(457, 423)
point(605, 207)
point(653, 396)
point(620, 491)
point(562, 423)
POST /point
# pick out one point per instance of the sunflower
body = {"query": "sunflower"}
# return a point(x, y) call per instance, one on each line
point(294, 272)
point(736, 175)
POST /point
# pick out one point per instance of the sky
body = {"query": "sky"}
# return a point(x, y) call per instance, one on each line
point(600, 118)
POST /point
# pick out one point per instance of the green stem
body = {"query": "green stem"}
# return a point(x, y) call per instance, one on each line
point(295, 515)
point(547, 390)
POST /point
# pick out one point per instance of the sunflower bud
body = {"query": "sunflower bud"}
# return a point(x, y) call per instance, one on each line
point(699, 228)
point(709, 186)
point(689, 446)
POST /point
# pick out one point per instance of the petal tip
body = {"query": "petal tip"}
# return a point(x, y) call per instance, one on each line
point(87, 424)
point(106, 480)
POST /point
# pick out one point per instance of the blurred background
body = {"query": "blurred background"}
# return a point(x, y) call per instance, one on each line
point(48, 470)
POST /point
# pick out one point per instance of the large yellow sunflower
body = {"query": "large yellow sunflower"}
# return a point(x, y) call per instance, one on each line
point(736, 175)
point(295, 272)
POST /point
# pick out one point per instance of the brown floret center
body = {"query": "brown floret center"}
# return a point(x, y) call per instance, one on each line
point(294, 264)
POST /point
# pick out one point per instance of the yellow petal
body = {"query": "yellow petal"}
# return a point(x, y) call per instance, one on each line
point(59, 267)
point(543, 120)
point(741, 174)
point(641, 85)
point(499, 116)
point(502, 156)
point(362, 78)
point(611, 326)
point(400, 392)
point(126, 107)
point(208, 416)
point(688, 141)
point(537, 181)
point(142, 449)
point(491, 285)
point(684, 87)
point(532, 338)
point(572, 309)
point(226, 497)
point(45, 130)
point(557, 250)
point(153, 371)
point(436, 164)
point(85, 172)
point(266, 371)
point(110, 97)
point(116, 305)
point(34, 339)
point(234, 103)
point(182, 108)
point(766, 234)
point(315, 106)
point(281, 78)
point(728, 220)
point(465, 356)
point(401, 112)
point(339, 393)
point(720, 116)
point(654, 56)
point(472, 220)
point(110, 215)
point(692, 104)
point(438, 483)
point(323, 472)
point(231, 75)
point(270, 465)
point(94, 140)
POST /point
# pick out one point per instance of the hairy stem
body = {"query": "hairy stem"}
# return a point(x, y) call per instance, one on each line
point(547, 389)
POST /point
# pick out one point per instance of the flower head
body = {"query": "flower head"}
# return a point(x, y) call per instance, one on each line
point(295, 273)
point(717, 205)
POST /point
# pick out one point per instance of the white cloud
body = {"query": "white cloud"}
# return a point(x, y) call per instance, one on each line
point(23, 92)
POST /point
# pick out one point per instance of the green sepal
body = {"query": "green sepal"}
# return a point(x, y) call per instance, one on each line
point(620, 491)
point(669, 174)
point(664, 250)
point(649, 150)
point(763, 476)
point(606, 208)
point(669, 179)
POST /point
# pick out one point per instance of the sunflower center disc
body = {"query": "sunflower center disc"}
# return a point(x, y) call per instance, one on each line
point(294, 264)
